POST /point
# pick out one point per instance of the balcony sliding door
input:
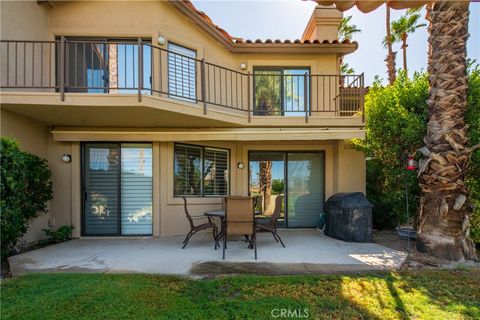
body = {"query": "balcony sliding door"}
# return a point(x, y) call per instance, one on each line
point(86, 66)
point(281, 91)
point(97, 65)
point(117, 189)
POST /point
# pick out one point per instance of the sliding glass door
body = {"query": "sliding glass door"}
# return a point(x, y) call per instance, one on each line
point(267, 181)
point(280, 91)
point(136, 186)
point(117, 189)
point(305, 188)
point(100, 193)
point(299, 176)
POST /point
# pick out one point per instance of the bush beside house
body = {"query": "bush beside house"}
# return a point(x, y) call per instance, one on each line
point(26, 189)
point(396, 124)
point(396, 117)
point(473, 174)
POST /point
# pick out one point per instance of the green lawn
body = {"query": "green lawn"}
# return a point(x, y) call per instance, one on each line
point(434, 294)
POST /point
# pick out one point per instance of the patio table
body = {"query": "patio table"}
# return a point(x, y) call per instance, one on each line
point(220, 214)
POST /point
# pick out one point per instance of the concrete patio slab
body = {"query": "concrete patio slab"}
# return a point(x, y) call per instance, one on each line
point(307, 251)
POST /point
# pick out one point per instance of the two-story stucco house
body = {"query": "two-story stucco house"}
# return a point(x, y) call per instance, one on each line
point(136, 104)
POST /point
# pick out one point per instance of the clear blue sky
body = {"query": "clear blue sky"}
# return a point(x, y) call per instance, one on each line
point(287, 20)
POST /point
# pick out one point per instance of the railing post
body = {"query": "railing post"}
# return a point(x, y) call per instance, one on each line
point(62, 68)
point(305, 96)
point(140, 69)
point(203, 86)
point(248, 97)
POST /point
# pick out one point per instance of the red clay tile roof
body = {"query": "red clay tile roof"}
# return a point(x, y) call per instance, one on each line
point(296, 41)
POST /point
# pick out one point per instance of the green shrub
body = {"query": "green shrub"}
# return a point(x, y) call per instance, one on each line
point(396, 124)
point(473, 175)
point(62, 234)
point(396, 117)
point(25, 191)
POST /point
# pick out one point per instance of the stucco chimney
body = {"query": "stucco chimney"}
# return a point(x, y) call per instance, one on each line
point(323, 24)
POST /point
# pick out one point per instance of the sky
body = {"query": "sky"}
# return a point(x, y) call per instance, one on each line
point(287, 19)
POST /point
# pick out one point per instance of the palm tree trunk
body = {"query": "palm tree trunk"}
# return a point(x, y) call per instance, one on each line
point(404, 48)
point(266, 184)
point(390, 54)
point(443, 220)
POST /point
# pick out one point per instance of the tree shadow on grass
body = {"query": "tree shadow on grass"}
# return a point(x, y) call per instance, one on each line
point(435, 294)
point(455, 291)
point(405, 295)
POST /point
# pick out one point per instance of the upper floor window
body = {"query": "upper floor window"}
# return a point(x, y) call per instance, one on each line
point(280, 91)
point(182, 72)
point(200, 171)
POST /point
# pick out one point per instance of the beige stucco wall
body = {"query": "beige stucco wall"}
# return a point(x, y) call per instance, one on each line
point(351, 168)
point(24, 20)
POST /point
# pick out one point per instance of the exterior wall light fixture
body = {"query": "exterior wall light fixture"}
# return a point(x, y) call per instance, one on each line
point(240, 165)
point(243, 65)
point(67, 158)
point(161, 40)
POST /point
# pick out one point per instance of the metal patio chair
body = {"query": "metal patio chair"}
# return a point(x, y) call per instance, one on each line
point(194, 228)
point(270, 224)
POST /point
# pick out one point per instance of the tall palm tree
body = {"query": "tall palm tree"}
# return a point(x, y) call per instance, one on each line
point(443, 219)
point(405, 25)
point(346, 30)
point(392, 72)
point(345, 69)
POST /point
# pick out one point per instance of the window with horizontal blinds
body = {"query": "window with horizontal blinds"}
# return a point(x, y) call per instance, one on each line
point(182, 72)
point(200, 171)
point(215, 172)
point(188, 170)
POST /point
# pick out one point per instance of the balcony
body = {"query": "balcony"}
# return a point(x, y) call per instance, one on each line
point(137, 67)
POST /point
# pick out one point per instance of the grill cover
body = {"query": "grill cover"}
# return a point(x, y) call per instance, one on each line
point(349, 217)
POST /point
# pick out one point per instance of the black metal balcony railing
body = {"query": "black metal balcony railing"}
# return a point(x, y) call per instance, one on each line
point(139, 67)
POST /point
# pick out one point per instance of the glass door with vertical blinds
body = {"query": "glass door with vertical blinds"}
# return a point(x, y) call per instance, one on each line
point(117, 189)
